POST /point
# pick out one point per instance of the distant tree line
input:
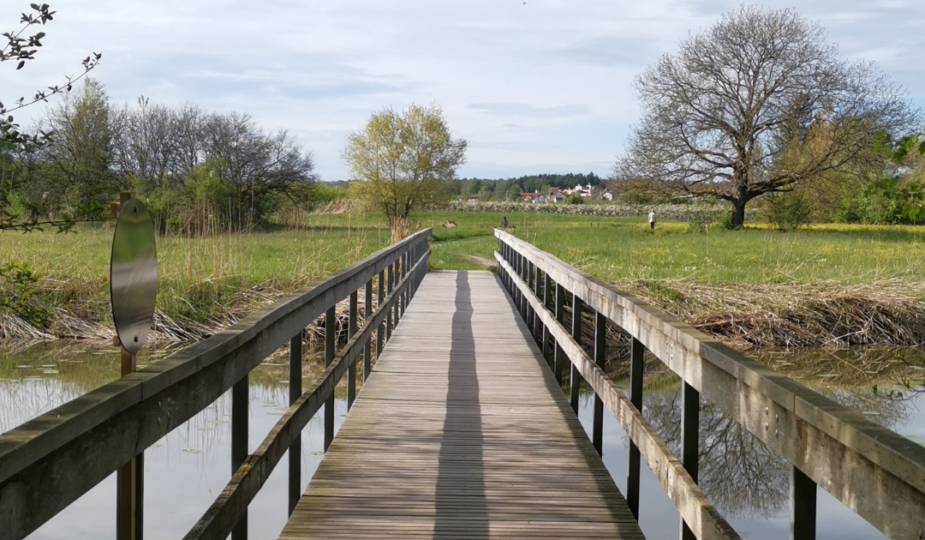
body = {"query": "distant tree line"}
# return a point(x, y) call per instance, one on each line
point(199, 171)
point(510, 189)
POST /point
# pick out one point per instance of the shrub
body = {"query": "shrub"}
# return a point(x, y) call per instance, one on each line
point(787, 211)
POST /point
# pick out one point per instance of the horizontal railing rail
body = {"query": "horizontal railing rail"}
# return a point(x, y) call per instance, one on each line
point(231, 505)
point(72, 448)
point(874, 471)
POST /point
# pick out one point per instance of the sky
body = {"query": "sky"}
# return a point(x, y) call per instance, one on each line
point(542, 86)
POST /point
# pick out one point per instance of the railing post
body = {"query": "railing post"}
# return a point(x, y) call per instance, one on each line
point(537, 322)
point(239, 421)
point(406, 295)
point(547, 297)
point(530, 285)
point(398, 271)
point(367, 311)
point(600, 354)
point(690, 440)
point(388, 319)
point(802, 506)
point(380, 294)
point(330, 347)
point(130, 478)
point(559, 358)
point(351, 331)
point(295, 449)
point(574, 377)
point(637, 366)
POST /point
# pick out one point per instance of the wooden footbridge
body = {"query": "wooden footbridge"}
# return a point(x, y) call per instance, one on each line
point(460, 428)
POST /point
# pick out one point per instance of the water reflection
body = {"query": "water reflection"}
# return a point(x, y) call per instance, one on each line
point(189, 467)
point(186, 469)
point(747, 482)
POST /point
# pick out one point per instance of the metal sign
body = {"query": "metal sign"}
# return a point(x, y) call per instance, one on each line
point(133, 275)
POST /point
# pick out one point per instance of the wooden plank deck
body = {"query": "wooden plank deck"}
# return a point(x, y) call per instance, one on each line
point(461, 432)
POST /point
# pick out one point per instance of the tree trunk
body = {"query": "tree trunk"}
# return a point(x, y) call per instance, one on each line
point(738, 212)
point(738, 207)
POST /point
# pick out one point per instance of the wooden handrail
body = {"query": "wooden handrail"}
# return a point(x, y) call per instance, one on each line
point(72, 448)
point(690, 501)
point(231, 504)
point(874, 471)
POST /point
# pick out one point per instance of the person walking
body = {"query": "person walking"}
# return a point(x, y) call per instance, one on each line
point(652, 219)
point(504, 222)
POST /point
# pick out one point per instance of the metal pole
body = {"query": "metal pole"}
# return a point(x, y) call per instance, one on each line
point(574, 376)
point(367, 311)
point(295, 392)
point(600, 354)
point(802, 506)
point(690, 439)
point(352, 370)
point(130, 477)
point(637, 365)
point(239, 427)
point(330, 348)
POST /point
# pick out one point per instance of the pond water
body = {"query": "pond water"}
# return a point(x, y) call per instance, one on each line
point(188, 468)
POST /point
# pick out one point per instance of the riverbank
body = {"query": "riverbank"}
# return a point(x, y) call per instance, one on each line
point(830, 286)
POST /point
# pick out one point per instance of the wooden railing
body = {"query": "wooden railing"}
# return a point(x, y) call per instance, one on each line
point(50, 461)
point(877, 473)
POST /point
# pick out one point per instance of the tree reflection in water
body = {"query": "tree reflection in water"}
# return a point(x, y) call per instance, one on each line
point(738, 473)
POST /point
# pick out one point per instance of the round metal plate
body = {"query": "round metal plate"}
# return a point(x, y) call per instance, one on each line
point(133, 275)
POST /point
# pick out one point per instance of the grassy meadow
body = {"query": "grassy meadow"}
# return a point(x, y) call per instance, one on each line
point(210, 280)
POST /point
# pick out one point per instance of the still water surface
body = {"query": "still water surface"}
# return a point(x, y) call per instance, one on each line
point(188, 468)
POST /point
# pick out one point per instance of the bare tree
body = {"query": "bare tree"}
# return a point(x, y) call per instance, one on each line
point(754, 105)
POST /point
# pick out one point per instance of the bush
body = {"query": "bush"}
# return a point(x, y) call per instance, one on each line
point(574, 198)
point(787, 211)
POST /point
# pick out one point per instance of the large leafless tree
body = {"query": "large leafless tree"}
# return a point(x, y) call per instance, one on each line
point(755, 104)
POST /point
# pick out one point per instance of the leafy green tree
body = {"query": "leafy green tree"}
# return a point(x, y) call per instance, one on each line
point(405, 160)
point(20, 48)
point(18, 280)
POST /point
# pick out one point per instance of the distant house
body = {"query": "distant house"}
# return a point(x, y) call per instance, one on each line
point(472, 198)
point(557, 196)
point(532, 197)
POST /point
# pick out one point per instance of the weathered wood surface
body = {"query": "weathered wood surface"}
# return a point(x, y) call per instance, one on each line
point(699, 515)
point(72, 448)
point(876, 472)
point(461, 431)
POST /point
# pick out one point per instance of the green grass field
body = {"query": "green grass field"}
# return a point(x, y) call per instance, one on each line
point(624, 249)
point(201, 279)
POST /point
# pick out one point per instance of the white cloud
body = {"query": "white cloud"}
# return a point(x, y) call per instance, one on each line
point(536, 87)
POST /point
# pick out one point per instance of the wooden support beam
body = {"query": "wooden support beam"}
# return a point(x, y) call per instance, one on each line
point(574, 377)
point(637, 367)
point(690, 441)
point(240, 418)
point(802, 506)
point(295, 449)
point(330, 351)
point(600, 358)
point(351, 331)
point(367, 309)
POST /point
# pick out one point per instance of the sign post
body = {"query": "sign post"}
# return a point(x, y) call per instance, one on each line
point(133, 290)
